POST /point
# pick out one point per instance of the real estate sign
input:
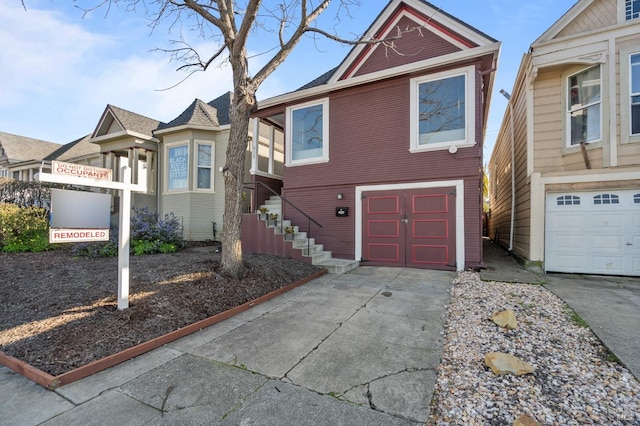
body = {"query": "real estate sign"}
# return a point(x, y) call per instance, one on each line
point(80, 170)
point(77, 235)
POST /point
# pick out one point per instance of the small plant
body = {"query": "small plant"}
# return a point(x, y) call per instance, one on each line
point(263, 210)
point(575, 318)
point(273, 216)
point(289, 229)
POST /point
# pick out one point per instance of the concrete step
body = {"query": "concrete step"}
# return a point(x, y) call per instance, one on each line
point(338, 266)
point(319, 257)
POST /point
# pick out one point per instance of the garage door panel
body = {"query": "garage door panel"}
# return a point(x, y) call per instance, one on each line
point(607, 242)
point(384, 252)
point(436, 203)
point(430, 229)
point(383, 228)
point(430, 255)
point(586, 233)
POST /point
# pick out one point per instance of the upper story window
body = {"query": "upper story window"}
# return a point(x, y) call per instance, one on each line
point(634, 85)
point(204, 177)
point(308, 133)
point(442, 110)
point(584, 106)
point(631, 9)
point(178, 167)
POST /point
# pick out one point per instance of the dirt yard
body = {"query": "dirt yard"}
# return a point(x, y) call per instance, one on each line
point(59, 312)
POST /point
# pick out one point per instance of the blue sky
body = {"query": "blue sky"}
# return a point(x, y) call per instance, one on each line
point(59, 70)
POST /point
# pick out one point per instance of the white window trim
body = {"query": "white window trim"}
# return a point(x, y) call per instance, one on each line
point(196, 166)
point(470, 110)
point(166, 166)
point(625, 96)
point(622, 12)
point(325, 134)
point(567, 112)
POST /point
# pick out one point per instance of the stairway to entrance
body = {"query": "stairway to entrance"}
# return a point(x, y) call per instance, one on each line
point(306, 247)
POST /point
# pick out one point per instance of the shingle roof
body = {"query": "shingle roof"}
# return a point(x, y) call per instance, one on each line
point(198, 113)
point(21, 148)
point(79, 148)
point(134, 122)
point(222, 104)
point(324, 78)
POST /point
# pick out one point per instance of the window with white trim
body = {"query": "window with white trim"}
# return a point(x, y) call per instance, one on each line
point(634, 88)
point(308, 133)
point(636, 199)
point(442, 110)
point(631, 9)
point(584, 106)
point(204, 164)
point(178, 167)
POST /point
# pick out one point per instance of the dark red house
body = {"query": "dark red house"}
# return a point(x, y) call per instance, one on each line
point(385, 151)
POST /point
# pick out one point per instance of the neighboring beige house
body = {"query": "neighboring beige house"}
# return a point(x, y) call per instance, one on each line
point(22, 157)
point(569, 146)
point(179, 160)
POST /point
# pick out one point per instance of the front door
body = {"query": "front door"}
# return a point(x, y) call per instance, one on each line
point(410, 228)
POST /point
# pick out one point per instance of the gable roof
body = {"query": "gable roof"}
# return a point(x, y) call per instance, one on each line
point(124, 121)
point(76, 149)
point(461, 42)
point(419, 18)
point(21, 148)
point(570, 15)
point(198, 113)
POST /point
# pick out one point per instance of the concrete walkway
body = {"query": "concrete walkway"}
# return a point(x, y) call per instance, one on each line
point(354, 349)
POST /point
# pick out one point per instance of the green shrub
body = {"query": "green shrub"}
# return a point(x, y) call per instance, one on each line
point(149, 235)
point(23, 229)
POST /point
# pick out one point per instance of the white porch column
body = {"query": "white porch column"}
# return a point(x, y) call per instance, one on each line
point(272, 142)
point(255, 144)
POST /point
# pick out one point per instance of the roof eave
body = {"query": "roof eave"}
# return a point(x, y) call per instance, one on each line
point(426, 64)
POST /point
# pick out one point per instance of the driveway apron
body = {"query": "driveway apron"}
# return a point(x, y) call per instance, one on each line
point(359, 348)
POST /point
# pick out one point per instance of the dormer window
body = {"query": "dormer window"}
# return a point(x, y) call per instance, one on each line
point(631, 9)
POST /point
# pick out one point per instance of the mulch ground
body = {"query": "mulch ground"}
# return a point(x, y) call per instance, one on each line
point(59, 312)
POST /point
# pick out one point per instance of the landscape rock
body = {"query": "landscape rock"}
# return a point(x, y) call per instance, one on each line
point(501, 363)
point(525, 420)
point(506, 319)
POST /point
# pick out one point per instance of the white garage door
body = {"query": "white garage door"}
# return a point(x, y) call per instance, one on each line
point(593, 232)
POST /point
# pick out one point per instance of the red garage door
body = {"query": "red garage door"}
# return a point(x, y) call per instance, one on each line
point(413, 228)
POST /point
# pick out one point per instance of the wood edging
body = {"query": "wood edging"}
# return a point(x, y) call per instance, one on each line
point(53, 382)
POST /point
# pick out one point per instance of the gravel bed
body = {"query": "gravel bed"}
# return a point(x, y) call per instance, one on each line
point(576, 382)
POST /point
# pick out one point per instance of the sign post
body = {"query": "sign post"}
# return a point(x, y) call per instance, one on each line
point(74, 174)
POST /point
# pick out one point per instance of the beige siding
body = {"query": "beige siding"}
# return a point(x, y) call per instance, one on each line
point(501, 178)
point(600, 14)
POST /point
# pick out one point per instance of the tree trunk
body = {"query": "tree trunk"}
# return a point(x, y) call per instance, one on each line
point(241, 108)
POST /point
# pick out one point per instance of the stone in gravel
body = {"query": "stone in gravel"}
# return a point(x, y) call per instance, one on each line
point(505, 319)
point(501, 363)
point(525, 420)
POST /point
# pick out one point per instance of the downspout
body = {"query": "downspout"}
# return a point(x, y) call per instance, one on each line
point(513, 172)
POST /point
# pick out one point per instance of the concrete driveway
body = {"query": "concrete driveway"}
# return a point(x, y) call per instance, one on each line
point(354, 349)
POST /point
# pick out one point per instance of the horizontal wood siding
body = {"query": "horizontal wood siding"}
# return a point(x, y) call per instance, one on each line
point(500, 183)
point(413, 46)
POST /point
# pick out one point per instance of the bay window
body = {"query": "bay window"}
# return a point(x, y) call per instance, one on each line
point(178, 167)
point(584, 103)
point(634, 85)
point(203, 166)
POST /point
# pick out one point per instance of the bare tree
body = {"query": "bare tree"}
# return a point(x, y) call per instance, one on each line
point(231, 23)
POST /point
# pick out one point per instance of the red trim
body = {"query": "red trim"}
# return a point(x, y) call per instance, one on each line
point(391, 21)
